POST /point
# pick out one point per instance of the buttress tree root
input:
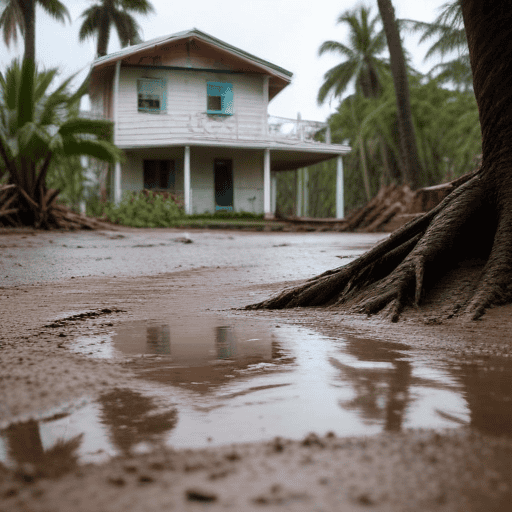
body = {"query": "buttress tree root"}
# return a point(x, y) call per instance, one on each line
point(470, 224)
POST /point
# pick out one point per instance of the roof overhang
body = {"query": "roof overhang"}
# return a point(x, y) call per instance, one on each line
point(279, 77)
point(283, 156)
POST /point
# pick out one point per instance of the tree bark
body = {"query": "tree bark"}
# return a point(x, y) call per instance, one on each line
point(104, 29)
point(409, 150)
point(473, 223)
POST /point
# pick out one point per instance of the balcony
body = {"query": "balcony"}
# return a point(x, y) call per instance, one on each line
point(201, 126)
point(283, 128)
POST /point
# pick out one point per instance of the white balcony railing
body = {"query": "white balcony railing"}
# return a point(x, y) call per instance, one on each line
point(297, 129)
point(200, 124)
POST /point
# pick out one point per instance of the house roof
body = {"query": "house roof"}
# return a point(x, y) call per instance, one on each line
point(279, 77)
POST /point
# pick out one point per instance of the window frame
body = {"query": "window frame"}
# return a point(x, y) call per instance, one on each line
point(224, 90)
point(162, 95)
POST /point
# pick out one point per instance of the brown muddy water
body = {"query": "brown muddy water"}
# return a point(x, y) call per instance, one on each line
point(209, 380)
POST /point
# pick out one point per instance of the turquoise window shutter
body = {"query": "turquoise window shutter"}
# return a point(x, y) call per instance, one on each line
point(220, 98)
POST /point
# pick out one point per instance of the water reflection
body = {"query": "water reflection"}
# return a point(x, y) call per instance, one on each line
point(384, 384)
point(132, 419)
point(199, 354)
point(488, 391)
point(24, 448)
point(208, 381)
point(158, 339)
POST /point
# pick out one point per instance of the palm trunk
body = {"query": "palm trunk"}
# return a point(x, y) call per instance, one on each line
point(104, 29)
point(408, 147)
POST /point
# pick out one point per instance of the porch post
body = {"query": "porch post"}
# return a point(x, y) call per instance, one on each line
point(298, 195)
point(266, 184)
point(340, 206)
point(305, 210)
point(115, 105)
point(186, 180)
point(273, 193)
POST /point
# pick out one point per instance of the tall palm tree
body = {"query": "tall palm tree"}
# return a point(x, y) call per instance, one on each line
point(362, 62)
point(99, 18)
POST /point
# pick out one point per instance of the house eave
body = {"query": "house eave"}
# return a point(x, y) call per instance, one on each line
point(280, 75)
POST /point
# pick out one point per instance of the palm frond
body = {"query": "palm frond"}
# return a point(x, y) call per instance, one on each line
point(11, 20)
point(91, 23)
point(55, 9)
point(336, 47)
point(127, 27)
point(137, 6)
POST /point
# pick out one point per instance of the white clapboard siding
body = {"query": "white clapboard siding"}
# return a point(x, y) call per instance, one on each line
point(185, 114)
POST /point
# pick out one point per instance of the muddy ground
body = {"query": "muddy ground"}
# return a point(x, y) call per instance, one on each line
point(59, 286)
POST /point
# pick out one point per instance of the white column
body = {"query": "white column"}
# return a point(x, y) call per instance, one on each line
point(305, 194)
point(186, 180)
point(298, 197)
point(115, 112)
point(266, 184)
point(273, 192)
point(340, 203)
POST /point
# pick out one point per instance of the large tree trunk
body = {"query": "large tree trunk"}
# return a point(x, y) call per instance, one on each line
point(473, 224)
point(409, 151)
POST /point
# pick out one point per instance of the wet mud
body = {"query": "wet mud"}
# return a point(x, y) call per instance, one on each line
point(144, 372)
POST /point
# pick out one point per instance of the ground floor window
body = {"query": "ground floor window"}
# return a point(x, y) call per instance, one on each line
point(159, 174)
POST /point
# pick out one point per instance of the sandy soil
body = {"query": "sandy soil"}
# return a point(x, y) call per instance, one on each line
point(412, 470)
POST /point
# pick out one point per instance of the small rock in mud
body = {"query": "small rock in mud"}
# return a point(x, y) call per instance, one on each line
point(183, 240)
point(200, 495)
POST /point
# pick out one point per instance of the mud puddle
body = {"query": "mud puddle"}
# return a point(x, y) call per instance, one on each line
point(205, 381)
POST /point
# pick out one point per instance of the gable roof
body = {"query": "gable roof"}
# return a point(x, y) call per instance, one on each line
point(279, 77)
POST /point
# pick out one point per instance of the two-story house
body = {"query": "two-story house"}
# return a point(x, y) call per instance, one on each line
point(191, 114)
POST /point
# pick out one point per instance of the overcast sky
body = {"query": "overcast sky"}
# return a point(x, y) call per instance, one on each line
point(287, 33)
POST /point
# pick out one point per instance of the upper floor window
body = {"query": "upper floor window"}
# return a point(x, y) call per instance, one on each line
point(219, 98)
point(151, 94)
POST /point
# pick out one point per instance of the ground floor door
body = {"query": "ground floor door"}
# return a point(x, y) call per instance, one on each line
point(223, 178)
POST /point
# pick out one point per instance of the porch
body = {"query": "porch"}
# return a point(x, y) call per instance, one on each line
point(212, 177)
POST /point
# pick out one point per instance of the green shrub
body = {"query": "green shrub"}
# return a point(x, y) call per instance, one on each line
point(148, 209)
point(144, 209)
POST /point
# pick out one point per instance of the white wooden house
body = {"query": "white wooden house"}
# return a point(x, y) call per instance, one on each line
point(191, 114)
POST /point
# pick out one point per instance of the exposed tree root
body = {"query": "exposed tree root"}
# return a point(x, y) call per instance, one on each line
point(397, 272)
point(18, 209)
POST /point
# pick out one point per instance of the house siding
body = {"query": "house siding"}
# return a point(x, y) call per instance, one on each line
point(185, 114)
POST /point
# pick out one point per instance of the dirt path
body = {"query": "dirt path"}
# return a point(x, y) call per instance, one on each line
point(410, 470)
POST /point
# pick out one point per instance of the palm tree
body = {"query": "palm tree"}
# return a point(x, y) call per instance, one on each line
point(362, 62)
point(20, 15)
point(99, 18)
point(449, 36)
point(31, 137)
point(409, 150)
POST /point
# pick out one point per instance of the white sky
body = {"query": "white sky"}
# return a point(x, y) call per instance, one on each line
point(287, 33)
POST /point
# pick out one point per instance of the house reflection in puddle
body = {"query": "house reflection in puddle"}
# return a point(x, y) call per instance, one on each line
point(200, 353)
point(158, 339)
